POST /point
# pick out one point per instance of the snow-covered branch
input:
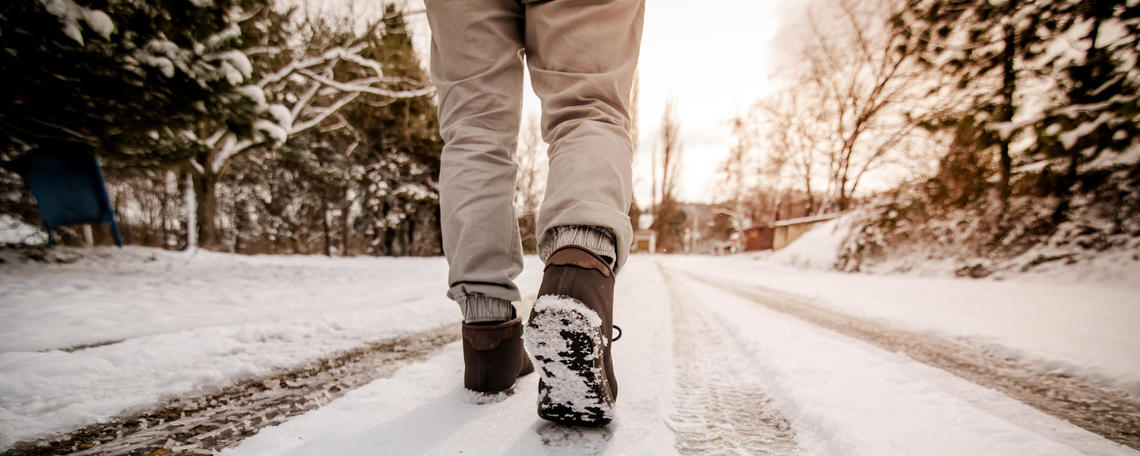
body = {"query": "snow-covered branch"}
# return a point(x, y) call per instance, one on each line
point(320, 115)
point(358, 87)
point(230, 147)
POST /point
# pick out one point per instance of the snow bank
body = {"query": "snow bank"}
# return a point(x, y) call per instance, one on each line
point(830, 245)
point(819, 247)
point(14, 231)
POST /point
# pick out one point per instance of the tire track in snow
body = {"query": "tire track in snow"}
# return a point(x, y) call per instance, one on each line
point(208, 423)
point(721, 408)
point(1112, 414)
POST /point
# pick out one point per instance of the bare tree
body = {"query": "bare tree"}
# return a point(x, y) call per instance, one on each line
point(529, 158)
point(668, 218)
point(741, 172)
point(529, 180)
point(860, 90)
point(792, 134)
point(670, 153)
point(773, 160)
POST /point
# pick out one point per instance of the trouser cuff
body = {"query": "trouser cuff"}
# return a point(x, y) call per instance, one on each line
point(478, 308)
point(595, 239)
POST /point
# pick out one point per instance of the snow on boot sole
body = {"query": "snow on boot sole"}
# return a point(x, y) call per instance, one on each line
point(564, 338)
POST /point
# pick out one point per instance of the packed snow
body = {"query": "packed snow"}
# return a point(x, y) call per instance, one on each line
point(424, 409)
point(553, 316)
point(1088, 331)
point(847, 397)
point(160, 324)
point(842, 396)
point(818, 248)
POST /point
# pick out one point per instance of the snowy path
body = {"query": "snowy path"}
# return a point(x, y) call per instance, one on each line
point(844, 396)
point(708, 364)
point(1104, 411)
point(1079, 329)
point(423, 409)
point(722, 404)
point(739, 378)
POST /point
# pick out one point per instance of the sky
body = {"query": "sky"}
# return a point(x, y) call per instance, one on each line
point(714, 57)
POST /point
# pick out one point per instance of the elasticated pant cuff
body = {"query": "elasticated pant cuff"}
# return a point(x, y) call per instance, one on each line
point(595, 239)
point(479, 309)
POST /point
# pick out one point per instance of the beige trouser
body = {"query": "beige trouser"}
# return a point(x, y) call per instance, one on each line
point(582, 55)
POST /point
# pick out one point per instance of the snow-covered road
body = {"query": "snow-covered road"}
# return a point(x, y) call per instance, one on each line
point(716, 357)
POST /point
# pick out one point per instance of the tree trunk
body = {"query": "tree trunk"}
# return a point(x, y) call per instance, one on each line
point(125, 225)
point(205, 193)
point(1005, 114)
point(409, 240)
point(239, 227)
point(810, 196)
point(191, 210)
point(165, 203)
point(328, 234)
point(844, 198)
point(1006, 164)
point(346, 229)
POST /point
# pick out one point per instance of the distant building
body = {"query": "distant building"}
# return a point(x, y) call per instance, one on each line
point(758, 238)
point(644, 241)
point(786, 231)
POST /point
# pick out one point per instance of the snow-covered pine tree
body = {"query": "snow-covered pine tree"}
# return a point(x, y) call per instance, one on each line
point(306, 72)
point(984, 46)
point(398, 189)
point(124, 79)
point(1098, 112)
point(128, 81)
point(1056, 77)
point(363, 181)
point(1053, 86)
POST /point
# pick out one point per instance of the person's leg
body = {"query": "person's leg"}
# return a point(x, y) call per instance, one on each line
point(582, 58)
point(478, 72)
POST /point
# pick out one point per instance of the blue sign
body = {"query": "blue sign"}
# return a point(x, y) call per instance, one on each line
point(69, 189)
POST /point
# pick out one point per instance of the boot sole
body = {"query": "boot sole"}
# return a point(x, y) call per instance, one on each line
point(564, 339)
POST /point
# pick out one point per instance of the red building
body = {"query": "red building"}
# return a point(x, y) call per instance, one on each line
point(758, 238)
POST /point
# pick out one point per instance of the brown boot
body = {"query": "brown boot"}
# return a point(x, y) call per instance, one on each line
point(493, 356)
point(569, 335)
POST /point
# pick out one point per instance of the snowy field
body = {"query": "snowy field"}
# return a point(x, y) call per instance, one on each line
point(701, 370)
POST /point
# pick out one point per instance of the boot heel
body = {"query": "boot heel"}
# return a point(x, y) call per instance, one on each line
point(493, 357)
